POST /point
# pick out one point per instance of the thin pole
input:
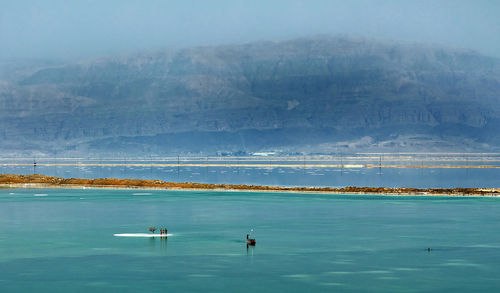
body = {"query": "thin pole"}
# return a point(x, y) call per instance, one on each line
point(380, 165)
point(341, 165)
point(178, 165)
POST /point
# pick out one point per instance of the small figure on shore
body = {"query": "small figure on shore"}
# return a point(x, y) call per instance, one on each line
point(429, 249)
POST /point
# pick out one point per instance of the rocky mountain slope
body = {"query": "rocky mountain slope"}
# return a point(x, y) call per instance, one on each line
point(320, 94)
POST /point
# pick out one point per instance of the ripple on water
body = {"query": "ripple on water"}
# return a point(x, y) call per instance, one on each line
point(339, 273)
point(388, 278)
point(461, 264)
point(201, 276)
point(406, 269)
point(304, 277)
point(332, 284)
point(376, 272)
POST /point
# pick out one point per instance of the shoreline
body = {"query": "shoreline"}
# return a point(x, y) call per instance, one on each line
point(43, 181)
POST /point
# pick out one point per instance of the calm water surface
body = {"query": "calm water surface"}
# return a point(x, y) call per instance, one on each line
point(278, 176)
point(62, 241)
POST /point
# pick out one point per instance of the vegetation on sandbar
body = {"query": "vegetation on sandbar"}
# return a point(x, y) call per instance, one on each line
point(10, 179)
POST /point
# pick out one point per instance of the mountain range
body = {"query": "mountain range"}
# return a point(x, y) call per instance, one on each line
point(321, 94)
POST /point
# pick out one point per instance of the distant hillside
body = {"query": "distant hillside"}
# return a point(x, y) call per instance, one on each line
point(320, 94)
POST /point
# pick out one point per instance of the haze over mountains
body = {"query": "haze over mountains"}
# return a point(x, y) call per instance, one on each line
point(320, 94)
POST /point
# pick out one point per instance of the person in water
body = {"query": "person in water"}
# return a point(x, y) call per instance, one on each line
point(250, 241)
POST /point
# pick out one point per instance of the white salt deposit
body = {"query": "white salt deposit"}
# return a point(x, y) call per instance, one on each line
point(141, 235)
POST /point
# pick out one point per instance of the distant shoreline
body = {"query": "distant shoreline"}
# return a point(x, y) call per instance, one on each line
point(43, 181)
point(266, 165)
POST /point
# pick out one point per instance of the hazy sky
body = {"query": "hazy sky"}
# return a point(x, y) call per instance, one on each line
point(87, 28)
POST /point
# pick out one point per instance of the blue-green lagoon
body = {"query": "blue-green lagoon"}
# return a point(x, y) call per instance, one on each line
point(61, 240)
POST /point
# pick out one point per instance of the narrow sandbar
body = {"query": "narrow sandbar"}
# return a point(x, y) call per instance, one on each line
point(43, 181)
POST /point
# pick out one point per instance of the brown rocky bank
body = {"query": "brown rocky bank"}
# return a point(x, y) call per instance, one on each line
point(11, 180)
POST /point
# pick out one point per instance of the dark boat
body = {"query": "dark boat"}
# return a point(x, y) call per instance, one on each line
point(250, 241)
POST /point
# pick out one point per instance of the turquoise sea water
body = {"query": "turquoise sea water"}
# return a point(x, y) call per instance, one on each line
point(61, 240)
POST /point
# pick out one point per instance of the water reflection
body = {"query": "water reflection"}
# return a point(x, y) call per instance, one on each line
point(250, 250)
point(163, 245)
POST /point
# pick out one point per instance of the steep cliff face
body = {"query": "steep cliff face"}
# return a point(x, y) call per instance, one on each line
point(313, 94)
